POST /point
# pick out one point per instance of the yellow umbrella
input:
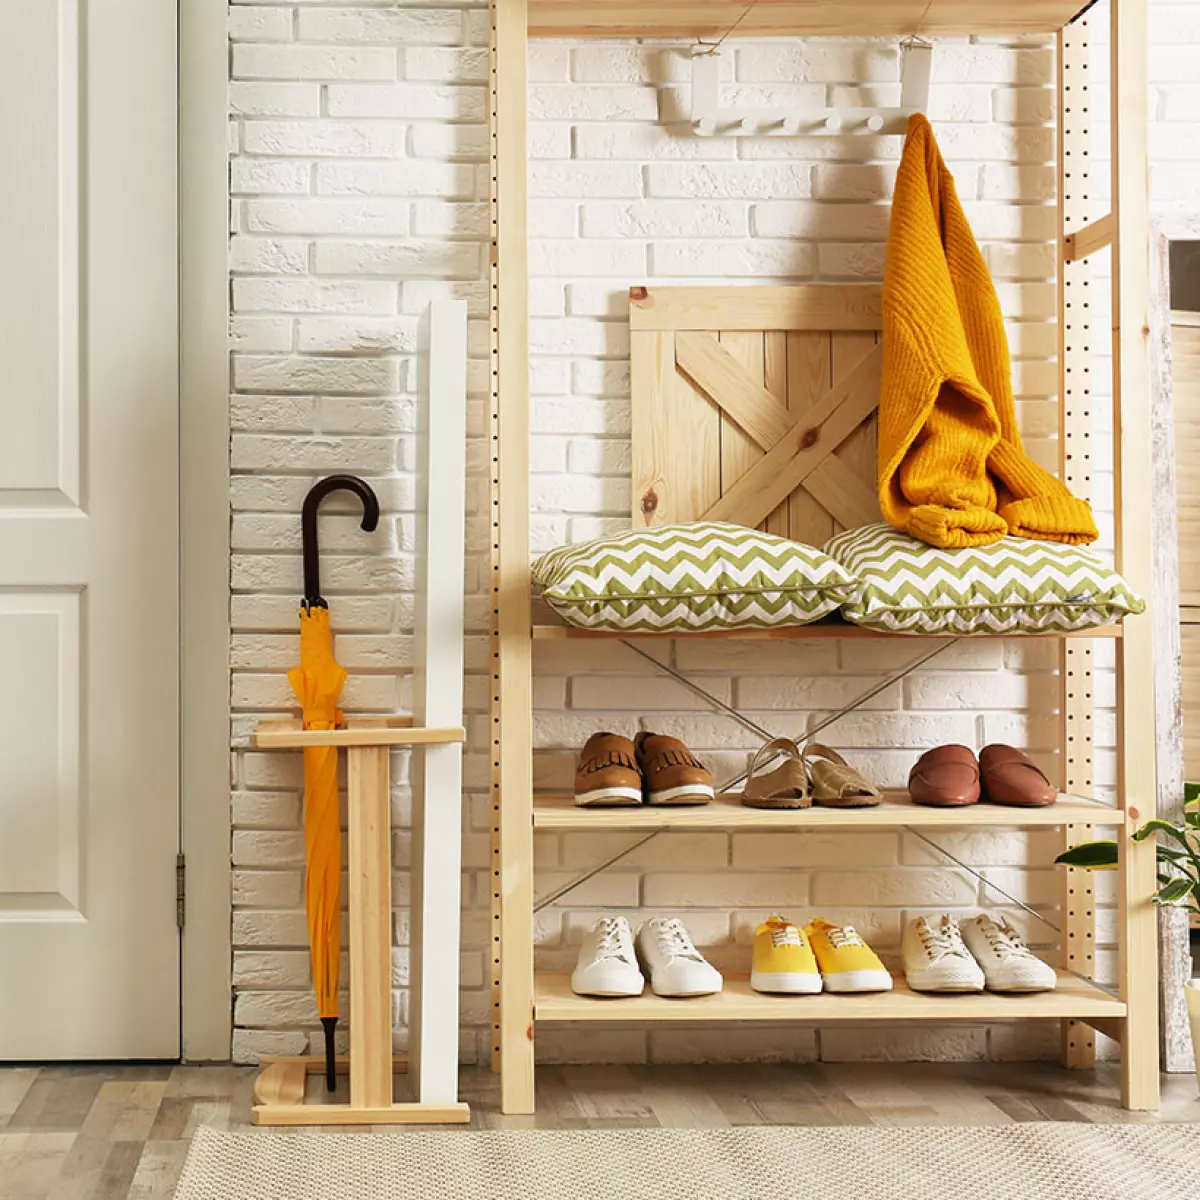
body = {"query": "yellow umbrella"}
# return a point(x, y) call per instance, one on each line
point(318, 682)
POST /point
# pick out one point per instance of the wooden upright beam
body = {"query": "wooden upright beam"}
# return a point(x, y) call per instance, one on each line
point(1078, 903)
point(1133, 501)
point(511, 720)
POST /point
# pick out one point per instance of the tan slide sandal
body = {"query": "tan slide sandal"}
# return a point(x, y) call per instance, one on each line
point(785, 785)
point(836, 784)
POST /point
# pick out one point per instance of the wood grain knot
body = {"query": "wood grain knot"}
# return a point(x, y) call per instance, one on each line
point(810, 437)
point(638, 295)
point(1134, 815)
point(650, 501)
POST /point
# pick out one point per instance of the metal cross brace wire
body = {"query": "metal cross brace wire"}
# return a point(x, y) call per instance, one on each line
point(757, 729)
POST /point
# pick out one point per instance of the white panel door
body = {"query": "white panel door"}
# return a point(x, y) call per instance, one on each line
point(89, 948)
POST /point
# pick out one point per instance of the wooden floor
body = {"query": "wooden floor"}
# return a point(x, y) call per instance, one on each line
point(67, 1133)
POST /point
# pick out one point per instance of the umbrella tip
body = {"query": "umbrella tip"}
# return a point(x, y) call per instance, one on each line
point(330, 1024)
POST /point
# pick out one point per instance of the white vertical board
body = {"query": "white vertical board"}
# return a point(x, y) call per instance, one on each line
point(438, 701)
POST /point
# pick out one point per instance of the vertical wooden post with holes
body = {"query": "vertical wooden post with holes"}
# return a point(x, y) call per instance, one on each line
point(510, 715)
point(1075, 467)
point(1132, 500)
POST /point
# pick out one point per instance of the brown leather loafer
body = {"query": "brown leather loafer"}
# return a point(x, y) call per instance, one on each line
point(673, 774)
point(608, 774)
point(945, 777)
point(1010, 777)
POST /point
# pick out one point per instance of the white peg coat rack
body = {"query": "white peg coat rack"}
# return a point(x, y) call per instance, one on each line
point(710, 119)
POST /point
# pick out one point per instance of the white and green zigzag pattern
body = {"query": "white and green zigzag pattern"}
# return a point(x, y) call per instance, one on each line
point(690, 578)
point(1015, 585)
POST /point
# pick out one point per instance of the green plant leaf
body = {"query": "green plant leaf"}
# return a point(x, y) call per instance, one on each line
point(1176, 890)
point(1091, 856)
point(1191, 793)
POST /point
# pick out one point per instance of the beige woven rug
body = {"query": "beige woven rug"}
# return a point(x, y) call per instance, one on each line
point(1011, 1162)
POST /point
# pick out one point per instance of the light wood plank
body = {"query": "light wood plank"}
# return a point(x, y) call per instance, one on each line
point(833, 629)
point(854, 495)
point(783, 469)
point(511, 698)
point(554, 811)
point(739, 451)
point(283, 735)
point(810, 376)
point(1073, 997)
point(775, 380)
point(369, 835)
point(677, 19)
point(730, 371)
point(281, 1083)
point(1133, 472)
point(1088, 239)
point(807, 306)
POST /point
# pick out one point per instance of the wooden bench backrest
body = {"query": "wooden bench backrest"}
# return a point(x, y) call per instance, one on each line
point(756, 406)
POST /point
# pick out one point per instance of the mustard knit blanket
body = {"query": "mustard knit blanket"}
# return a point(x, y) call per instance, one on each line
point(952, 470)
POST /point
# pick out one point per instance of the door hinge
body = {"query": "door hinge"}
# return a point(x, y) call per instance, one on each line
point(180, 890)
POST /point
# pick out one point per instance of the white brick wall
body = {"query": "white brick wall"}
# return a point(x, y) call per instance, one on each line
point(357, 179)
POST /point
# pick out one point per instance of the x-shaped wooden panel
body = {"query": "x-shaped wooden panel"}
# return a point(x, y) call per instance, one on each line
point(798, 452)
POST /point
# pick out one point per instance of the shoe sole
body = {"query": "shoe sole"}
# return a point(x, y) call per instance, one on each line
point(686, 995)
point(692, 794)
point(858, 981)
point(614, 797)
point(949, 989)
point(1023, 988)
point(598, 995)
point(776, 802)
point(785, 983)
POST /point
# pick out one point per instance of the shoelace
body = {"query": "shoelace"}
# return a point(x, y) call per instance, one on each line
point(673, 939)
point(842, 936)
point(786, 935)
point(611, 943)
point(1005, 940)
point(942, 938)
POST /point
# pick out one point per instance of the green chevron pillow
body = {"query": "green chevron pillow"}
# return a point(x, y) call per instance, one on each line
point(690, 578)
point(1015, 585)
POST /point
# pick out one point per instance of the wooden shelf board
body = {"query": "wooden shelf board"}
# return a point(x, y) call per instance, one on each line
point(289, 734)
point(559, 811)
point(554, 1001)
point(811, 18)
point(556, 632)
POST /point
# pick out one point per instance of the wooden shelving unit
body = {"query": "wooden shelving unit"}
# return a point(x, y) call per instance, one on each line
point(820, 631)
point(1072, 998)
point(523, 1000)
point(897, 811)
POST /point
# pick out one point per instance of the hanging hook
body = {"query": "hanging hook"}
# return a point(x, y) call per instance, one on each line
point(308, 527)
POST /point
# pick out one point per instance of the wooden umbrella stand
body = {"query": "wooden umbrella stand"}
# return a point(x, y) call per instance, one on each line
point(434, 732)
point(280, 1087)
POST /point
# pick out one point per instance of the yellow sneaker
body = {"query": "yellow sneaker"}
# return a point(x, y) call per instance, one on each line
point(783, 960)
point(847, 963)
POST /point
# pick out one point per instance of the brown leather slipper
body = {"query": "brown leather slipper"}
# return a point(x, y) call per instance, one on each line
point(945, 777)
point(1011, 777)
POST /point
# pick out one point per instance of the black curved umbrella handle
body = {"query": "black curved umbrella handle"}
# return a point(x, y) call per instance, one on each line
point(308, 527)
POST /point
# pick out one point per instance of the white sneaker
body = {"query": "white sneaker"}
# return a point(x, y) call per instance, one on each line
point(607, 964)
point(1008, 964)
point(936, 958)
point(672, 963)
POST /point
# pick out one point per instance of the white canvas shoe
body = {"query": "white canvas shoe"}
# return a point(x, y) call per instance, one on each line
point(607, 964)
point(672, 963)
point(936, 958)
point(1008, 964)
